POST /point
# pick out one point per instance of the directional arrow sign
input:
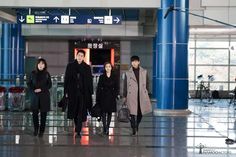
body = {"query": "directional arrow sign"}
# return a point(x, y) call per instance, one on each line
point(69, 19)
point(21, 19)
point(117, 20)
point(56, 19)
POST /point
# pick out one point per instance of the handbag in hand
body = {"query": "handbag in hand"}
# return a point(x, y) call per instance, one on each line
point(124, 114)
point(96, 111)
point(63, 103)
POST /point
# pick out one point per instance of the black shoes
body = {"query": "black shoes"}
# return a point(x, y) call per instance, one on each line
point(105, 131)
point(35, 132)
point(41, 134)
point(77, 135)
point(134, 131)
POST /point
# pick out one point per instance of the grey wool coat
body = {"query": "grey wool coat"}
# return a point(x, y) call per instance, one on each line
point(132, 92)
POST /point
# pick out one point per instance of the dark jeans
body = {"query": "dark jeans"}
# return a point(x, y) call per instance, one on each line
point(135, 120)
point(79, 111)
point(106, 120)
point(43, 117)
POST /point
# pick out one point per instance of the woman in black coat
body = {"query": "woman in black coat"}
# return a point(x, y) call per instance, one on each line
point(107, 92)
point(39, 83)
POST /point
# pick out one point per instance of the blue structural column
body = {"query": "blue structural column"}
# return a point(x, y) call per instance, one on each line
point(172, 57)
point(21, 51)
point(154, 68)
point(5, 51)
point(12, 51)
point(18, 50)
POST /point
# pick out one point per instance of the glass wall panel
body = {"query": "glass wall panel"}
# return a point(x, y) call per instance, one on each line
point(191, 73)
point(232, 86)
point(232, 73)
point(220, 73)
point(212, 56)
point(191, 56)
point(212, 44)
point(191, 86)
point(218, 86)
point(233, 56)
point(191, 44)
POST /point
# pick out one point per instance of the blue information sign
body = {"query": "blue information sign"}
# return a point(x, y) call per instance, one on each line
point(68, 19)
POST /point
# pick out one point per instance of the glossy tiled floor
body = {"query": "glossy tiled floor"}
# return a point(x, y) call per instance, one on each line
point(201, 134)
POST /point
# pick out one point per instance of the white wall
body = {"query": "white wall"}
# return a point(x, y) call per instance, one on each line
point(128, 28)
point(81, 3)
point(222, 10)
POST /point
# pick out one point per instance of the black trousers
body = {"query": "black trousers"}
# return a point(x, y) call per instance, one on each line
point(106, 120)
point(135, 120)
point(43, 117)
point(78, 119)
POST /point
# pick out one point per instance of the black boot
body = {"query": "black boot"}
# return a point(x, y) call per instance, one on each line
point(107, 131)
point(137, 127)
point(36, 130)
point(104, 130)
point(41, 131)
point(36, 122)
point(78, 135)
point(41, 134)
point(108, 122)
point(133, 124)
point(134, 131)
point(104, 123)
point(42, 123)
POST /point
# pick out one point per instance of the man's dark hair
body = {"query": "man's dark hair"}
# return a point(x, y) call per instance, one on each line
point(134, 58)
point(81, 51)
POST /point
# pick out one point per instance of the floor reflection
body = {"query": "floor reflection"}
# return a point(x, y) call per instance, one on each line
point(201, 133)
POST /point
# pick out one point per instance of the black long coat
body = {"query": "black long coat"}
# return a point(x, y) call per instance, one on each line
point(70, 88)
point(107, 91)
point(40, 101)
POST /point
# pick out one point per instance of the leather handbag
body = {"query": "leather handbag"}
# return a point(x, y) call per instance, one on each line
point(63, 103)
point(124, 114)
point(96, 111)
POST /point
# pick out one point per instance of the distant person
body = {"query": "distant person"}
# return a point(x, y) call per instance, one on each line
point(136, 93)
point(39, 83)
point(78, 88)
point(107, 92)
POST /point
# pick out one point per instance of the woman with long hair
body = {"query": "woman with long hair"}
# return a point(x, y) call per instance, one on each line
point(107, 92)
point(39, 83)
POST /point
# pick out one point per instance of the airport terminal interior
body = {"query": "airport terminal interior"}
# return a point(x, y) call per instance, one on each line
point(188, 48)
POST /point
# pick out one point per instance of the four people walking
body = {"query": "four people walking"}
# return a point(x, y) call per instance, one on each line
point(78, 89)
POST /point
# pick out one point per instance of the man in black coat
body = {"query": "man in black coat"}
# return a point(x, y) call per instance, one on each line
point(78, 88)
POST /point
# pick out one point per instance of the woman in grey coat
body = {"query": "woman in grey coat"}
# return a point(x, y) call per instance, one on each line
point(39, 83)
point(136, 93)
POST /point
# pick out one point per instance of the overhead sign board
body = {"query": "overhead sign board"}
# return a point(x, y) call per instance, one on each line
point(68, 19)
